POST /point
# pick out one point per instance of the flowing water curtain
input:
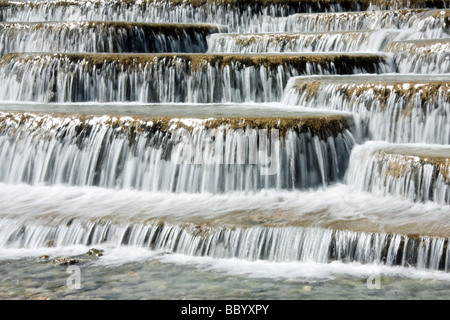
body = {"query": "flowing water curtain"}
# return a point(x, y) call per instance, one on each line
point(419, 23)
point(286, 244)
point(415, 172)
point(239, 16)
point(395, 108)
point(421, 56)
point(168, 77)
point(98, 36)
point(347, 41)
point(152, 155)
point(433, 23)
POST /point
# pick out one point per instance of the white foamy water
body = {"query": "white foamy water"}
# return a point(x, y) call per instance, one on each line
point(309, 271)
point(268, 225)
point(334, 204)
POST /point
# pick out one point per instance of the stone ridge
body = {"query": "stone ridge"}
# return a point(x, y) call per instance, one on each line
point(197, 61)
point(347, 4)
point(323, 125)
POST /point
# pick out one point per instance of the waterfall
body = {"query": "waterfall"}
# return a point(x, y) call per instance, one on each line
point(198, 78)
point(346, 21)
point(238, 16)
point(160, 154)
point(427, 23)
point(433, 23)
point(416, 172)
point(421, 56)
point(97, 36)
point(282, 244)
point(360, 41)
point(283, 134)
point(396, 108)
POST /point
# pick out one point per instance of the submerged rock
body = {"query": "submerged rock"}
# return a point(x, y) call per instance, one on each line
point(66, 261)
point(50, 243)
point(95, 252)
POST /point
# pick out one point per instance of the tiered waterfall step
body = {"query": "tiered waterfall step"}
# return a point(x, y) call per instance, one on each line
point(343, 41)
point(213, 154)
point(434, 23)
point(421, 56)
point(204, 78)
point(101, 36)
point(413, 171)
point(239, 15)
point(396, 108)
point(429, 23)
point(279, 244)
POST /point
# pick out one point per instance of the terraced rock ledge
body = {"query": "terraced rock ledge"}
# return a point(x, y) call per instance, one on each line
point(320, 245)
point(338, 41)
point(176, 154)
point(397, 108)
point(204, 78)
point(104, 36)
point(345, 4)
point(365, 20)
point(416, 172)
point(197, 61)
point(238, 15)
point(421, 56)
point(325, 124)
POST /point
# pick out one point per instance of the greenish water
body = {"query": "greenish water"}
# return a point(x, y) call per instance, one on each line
point(154, 278)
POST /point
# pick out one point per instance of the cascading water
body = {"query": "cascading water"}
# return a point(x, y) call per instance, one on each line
point(417, 172)
point(211, 155)
point(434, 24)
point(428, 23)
point(238, 15)
point(346, 21)
point(421, 56)
point(396, 108)
point(99, 36)
point(361, 41)
point(272, 244)
point(199, 78)
point(225, 140)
